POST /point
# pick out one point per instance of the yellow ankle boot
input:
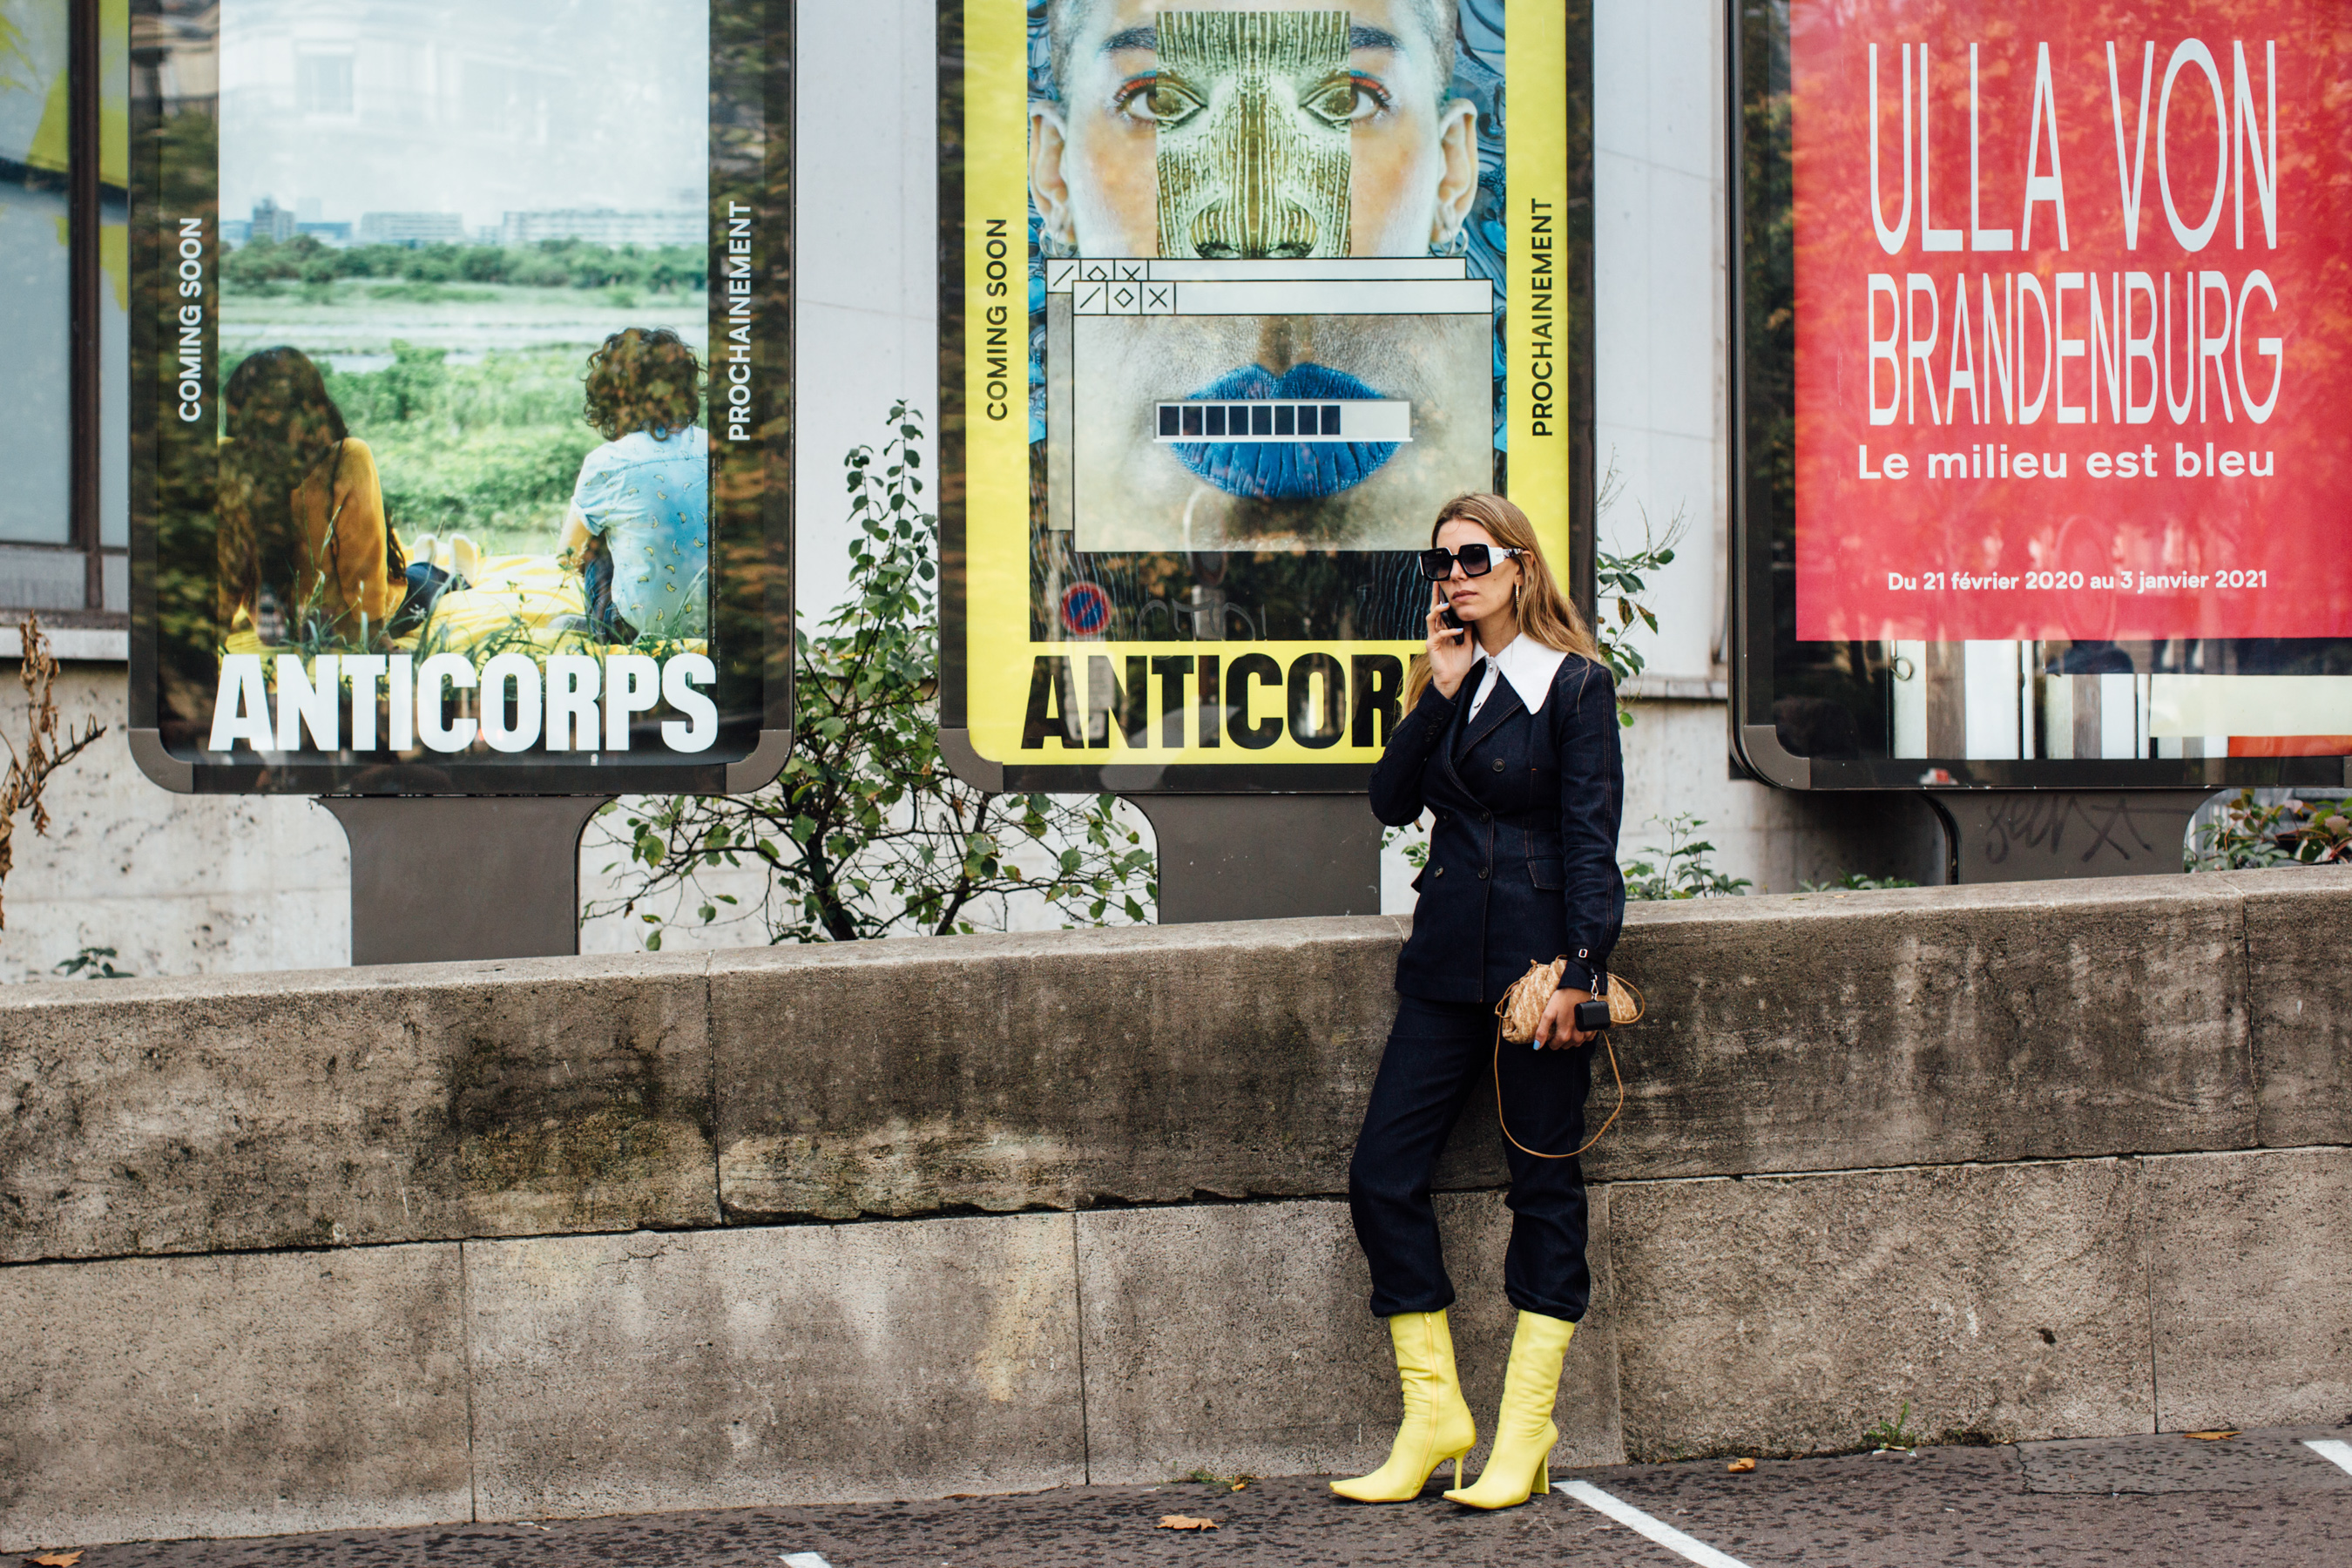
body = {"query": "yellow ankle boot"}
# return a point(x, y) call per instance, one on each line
point(1523, 1433)
point(1437, 1425)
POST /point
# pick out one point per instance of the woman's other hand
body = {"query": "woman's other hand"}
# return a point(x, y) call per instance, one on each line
point(1451, 653)
point(1557, 1030)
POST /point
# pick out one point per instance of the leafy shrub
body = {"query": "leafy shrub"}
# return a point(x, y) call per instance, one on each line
point(2252, 834)
point(1681, 871)
point(867, 833)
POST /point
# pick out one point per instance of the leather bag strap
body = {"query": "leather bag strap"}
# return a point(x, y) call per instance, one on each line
point(1608, 1044)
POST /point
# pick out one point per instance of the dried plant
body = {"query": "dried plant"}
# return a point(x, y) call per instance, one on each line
point(44, 753)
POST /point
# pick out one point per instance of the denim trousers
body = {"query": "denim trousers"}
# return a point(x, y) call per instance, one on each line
point(1437, 1054)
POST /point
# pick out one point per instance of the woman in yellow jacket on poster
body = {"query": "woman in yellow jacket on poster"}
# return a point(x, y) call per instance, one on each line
point(302, 535)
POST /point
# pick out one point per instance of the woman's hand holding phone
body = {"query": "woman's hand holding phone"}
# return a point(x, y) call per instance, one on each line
point(1451, 651)
point(1557, 1030)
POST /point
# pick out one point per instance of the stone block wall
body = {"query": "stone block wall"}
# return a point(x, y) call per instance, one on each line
point(580, 1236)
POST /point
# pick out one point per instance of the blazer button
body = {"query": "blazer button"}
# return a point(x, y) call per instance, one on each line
point(1482, 873)
point(1498, 765)
point(1441, 870)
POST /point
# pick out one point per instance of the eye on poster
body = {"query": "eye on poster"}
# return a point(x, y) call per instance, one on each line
point(1234, 297)
point(462, 386)
point(2073, 339)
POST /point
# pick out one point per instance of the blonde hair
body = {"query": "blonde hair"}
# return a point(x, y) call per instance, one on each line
point(1544, 613)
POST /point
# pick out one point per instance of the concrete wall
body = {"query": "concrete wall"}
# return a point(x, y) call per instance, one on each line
point(566, 1236)
point(176, 884)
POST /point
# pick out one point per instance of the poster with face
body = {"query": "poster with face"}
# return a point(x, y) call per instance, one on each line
point(460, 327)
point(1242, 293)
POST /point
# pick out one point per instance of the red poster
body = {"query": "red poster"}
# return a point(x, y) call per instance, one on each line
point(2074, 288)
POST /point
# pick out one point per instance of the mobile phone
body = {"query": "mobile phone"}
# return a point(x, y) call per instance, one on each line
point(1592, 1017)
point(1446, 614)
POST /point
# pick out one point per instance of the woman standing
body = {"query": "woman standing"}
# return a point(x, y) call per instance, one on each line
point(1510, 740)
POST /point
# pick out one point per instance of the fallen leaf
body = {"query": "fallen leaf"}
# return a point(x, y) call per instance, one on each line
point(1740, 1467)
point(59, 1559)
point(1185, 1521)
point(2208, 1437)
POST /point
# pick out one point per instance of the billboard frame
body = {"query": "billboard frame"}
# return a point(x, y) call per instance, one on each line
point(1755, 644)
point(753, 612)
point(1131, 777)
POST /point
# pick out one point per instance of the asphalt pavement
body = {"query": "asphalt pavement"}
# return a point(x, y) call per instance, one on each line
point(2256, 1499)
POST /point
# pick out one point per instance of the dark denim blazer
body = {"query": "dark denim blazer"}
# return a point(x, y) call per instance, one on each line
point(1523, 854)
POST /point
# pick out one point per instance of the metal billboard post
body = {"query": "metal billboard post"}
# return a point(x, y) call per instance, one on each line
point(1242, 857)
point(2026, 836)
point(504, 875)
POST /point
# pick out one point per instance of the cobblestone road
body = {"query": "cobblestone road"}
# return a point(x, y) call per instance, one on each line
point(2261, 1499)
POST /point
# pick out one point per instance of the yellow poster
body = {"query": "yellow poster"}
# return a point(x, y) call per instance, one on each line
point(1241, 295)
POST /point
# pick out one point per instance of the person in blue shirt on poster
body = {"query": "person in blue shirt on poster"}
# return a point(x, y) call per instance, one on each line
point(640, 516)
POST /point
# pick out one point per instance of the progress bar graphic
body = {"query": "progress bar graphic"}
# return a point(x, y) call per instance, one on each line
point(1354, 419)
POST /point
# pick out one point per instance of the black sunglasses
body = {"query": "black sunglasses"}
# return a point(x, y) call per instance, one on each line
point(1476, 561)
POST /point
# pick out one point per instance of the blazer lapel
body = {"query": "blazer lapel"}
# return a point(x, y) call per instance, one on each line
point(1449, 746)
point(1499, 707)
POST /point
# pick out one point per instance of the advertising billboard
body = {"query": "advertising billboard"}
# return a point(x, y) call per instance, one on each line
point(462, 368)
point(2046, 332)
point(1233, 297)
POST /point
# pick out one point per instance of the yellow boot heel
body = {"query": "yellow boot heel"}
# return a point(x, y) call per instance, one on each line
point(1523, 1433)
point(1437, 1425)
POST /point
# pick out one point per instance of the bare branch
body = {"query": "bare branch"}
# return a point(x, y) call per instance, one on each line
point(21, 790)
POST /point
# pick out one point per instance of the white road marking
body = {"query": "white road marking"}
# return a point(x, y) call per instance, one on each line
point(1664, 1534)
point(2338, 1454)
point(803, 1560)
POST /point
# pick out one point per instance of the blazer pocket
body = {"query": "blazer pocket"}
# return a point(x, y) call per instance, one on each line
point(1547, 875)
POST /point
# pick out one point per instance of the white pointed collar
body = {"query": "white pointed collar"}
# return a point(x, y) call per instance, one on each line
point(1528, 665)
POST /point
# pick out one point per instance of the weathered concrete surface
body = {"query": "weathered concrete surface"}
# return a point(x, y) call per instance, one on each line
point(1147, 1064)
point(1812, 1032)
point(403, 1103)
point(2079, 1033)
point(1236, 1337)
point(1786, 1315)
point(2035, 1021)
point(723, 1369)
point(752, 1366)
point(2299, 955)
point(239, 1395)
point(2252, 1287)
